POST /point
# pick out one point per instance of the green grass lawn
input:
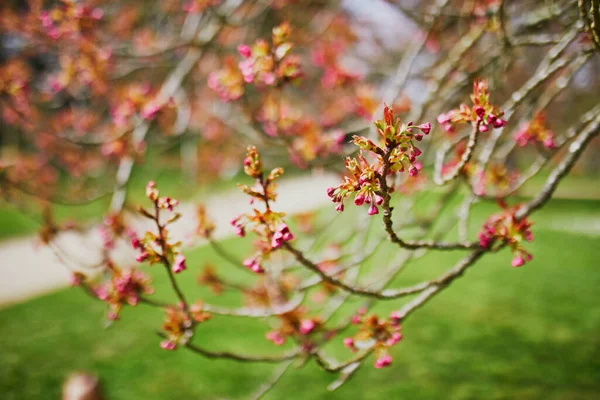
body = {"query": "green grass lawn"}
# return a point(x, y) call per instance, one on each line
point(497, 333)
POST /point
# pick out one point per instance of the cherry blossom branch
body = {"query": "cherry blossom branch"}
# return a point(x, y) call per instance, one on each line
point(276, 376)
point(464, 159)
point(239, 357)
point(575, 150)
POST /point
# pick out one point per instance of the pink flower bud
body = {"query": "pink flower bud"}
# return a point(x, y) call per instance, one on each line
point(549, 143)
point(254, 265)
point(349, 343)
point(136, 243)
point(425, 128)
point(330, 191)
point(244, 50)
point(480, 111)
point(275, 337)
point(395, 338)
point(167, 344)
point(419, 137)
point(340, 207)
point(142, 257)
point(413, 171)
point(444, 119)
point(359, 199)
point(240, 231)
point(112, 315)
point(373, 210)
point(378, 200)
point(483, 128)
point(306, 326)
point(76, 279)
point(179, 264)
point(518, 261)
point(499, 123)
point(383, 361)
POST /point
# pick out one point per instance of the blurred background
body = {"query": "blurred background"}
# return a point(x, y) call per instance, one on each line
point(99, 97)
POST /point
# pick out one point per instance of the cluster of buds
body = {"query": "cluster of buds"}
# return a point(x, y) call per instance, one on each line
point(294, 324)
point(270, 65)
point(134, 99)
point(327, 55)
point(123, 288)
point(535, 131)
point(198, 6)
point(268, 225)
point(69, 19)
point(396, 153)
point(482, 113)
point(179, 324)
point(155, 247)
point(227, 82)
point(375, 333)
point(14, 93)
point(505, 228)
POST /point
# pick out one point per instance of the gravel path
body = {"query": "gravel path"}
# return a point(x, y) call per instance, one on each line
point(28, 269)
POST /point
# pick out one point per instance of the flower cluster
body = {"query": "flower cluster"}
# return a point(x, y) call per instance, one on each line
point(263, 64)
point(268, 225)
point(506, 228)
point(268, 65)
point(294, 324)
point(535, 131)
point(397, 153)
point(482, 113)
point(374, 333)
point(497, 177)
point(155, 247)
point(123, 288)
point(178, 325)
point(69, 19)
